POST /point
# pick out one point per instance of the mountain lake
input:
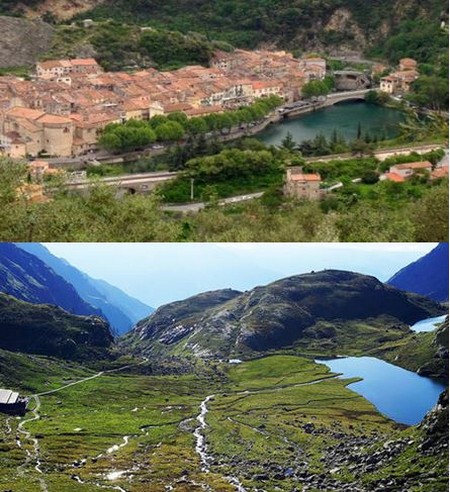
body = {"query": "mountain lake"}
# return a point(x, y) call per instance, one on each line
point(428, 324)
point(401, 395)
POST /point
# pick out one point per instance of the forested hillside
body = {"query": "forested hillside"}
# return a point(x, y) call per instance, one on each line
point(296, 24)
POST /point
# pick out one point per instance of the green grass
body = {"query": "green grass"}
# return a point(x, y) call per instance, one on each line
point(256, 419)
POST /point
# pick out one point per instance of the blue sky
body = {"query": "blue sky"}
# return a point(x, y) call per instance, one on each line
point(157, 273)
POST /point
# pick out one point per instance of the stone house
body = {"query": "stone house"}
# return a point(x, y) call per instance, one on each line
point(400, 172)
point(302, 185)
point(41, 132)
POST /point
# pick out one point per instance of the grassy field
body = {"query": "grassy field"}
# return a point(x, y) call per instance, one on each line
point(268, 416)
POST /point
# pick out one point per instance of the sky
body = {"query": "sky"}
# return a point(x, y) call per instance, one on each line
point(158, 273)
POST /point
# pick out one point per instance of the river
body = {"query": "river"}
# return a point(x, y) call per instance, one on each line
point(343, 117)
point(397, 393)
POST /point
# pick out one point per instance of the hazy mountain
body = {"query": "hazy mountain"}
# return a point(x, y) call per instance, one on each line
point(427, 276)
point(310, 307)
point(121, 310)
point(26, 277)
point(49, 330)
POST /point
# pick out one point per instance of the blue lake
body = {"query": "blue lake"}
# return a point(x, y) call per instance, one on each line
point(397, 393)
point(428, 324)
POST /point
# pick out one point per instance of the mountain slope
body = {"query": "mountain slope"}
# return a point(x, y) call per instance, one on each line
point(121, 310)
point(329, 306)
point(26, 277)
point(23, 41)
point(334, 24)
point(49, 330)
point(427, 276)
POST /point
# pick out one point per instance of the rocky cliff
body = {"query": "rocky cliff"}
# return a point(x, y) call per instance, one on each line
point(22, 41)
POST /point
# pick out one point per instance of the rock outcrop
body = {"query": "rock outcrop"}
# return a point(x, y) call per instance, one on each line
point(23, 41)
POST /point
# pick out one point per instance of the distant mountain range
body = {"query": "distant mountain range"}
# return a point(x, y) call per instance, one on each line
point(324, 306)
point(427, 276)
point(26, 277)
point(121, 310)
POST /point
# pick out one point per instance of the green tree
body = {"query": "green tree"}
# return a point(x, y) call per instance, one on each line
point(315, 88)
point(196, 126)
point(179, 117)
point(431, 92)
point(288, 142)
point(169, 132)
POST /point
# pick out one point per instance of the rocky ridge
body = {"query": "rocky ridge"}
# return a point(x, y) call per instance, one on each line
point(23, 41)
point(303, 307)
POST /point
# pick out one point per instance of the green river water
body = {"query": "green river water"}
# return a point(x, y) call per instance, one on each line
point(343, 117)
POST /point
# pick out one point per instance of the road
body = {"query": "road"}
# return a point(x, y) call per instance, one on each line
point(138, 182)
point(380, 154)
point(195, 207)
point(444, 161)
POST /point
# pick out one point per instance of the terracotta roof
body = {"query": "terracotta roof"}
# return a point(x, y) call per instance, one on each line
point(54, 119)
point(305, 177)
point(413, 165)
point(20, 112)
point(83, 61)
point(395, 177)
point(440, 172)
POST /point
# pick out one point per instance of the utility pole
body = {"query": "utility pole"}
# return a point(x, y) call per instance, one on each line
point(192, 189)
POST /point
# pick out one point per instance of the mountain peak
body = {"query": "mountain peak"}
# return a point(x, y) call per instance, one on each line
point(428, 276)
point(224, 322)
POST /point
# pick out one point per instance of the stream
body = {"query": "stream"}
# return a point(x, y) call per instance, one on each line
point(35, 455)
point(201, 447)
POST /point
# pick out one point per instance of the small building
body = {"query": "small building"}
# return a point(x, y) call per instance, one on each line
point(12, 403)
point(400, 82)
point(388, 84)
point(396, 178)
point(409, 168)
point(302, 185)
point(38, 169)
point(440, 172)
point(351, 80)
point(407, 64)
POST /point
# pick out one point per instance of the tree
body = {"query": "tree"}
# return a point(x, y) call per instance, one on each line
point(123, 138)
point(430, 215)
point(315, 88)
point(359, 147)
point(179, 117)
point(431, 92)
point(110, 141)
point(370, 177)
point(288, 142)
point(196, 126)
point(169, 132)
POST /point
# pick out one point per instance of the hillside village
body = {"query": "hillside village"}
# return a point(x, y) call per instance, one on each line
point(65, 106)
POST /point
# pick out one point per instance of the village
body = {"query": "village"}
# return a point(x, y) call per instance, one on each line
point(65, 106)
point(62, 111)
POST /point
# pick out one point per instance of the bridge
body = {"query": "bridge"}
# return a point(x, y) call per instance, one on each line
point(127, 183)
point(337, 97)
point(302, 107)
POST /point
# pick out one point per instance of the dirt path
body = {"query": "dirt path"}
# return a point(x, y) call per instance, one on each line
point(35, 456)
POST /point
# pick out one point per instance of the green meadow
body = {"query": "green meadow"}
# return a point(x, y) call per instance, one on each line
point(268, 415)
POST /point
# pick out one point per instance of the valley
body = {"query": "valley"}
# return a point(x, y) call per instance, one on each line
point(324, 381)
point(274, 423)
